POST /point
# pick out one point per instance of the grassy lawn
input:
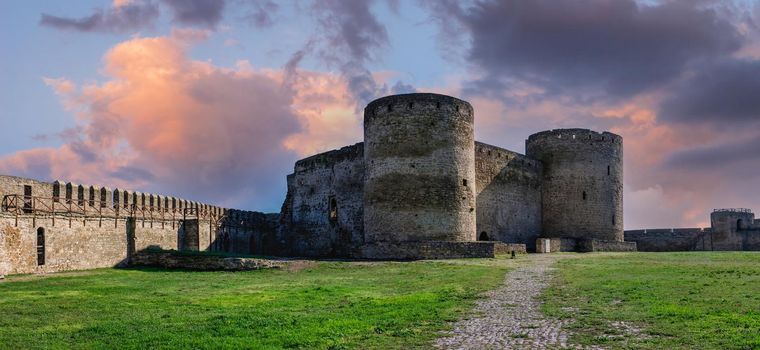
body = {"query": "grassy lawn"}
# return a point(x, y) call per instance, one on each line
point(326, 305)
point(699, 300)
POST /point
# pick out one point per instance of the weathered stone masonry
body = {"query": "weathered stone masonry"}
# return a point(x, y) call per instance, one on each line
point(419, 186)
point(49, 227)
point(420, 179)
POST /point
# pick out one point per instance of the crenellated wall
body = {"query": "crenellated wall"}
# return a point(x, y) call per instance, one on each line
point(85, 226)
point(508, 187)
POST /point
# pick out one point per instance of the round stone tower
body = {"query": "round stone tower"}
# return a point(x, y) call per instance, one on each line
point(419, 153)
point(582, 185)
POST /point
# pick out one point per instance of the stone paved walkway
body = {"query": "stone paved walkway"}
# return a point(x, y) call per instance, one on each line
point(510, 317)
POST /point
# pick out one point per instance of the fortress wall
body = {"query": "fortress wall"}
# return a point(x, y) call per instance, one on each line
point(665, 240)
point(306, 226)
point(87, 226)
point(508, 187)
point(82, 243)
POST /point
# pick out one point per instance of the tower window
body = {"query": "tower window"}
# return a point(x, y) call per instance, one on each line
point(584, 195)
point(333, 215)
point(483, 236)
point(40, 246)
point(608, 170)
point(464, 182)
point(613, 220)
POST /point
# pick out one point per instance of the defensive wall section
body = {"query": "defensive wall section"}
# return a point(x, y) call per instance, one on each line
point(322, 215)
point(50, 227)
point(508, 190)
point(731, 230)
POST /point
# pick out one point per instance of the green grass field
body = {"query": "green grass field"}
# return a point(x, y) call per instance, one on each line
point(694, 300)
point(327, 305)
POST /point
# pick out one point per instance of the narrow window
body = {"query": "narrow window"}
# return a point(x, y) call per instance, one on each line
point(27, 198)
point(613, 220)
point(103, 197)
point(483, 236)
point(608, 170)
point(411, 105)
point(40, 246)
point(390, 108)
point(438, 105)
point(739, 224)
point(56, 191)
point(333, 208)
point(464, 182)
point(92, 196)
point(584, 195)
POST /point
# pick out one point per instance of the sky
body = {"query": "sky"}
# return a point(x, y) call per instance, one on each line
point(214, 100)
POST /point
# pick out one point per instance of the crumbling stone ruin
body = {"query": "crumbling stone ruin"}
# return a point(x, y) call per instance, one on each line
point(419, 186)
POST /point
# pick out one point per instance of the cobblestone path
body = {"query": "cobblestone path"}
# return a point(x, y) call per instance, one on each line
point(510, 317)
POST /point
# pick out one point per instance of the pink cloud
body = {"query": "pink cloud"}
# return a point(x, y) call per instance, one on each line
point(179, 126)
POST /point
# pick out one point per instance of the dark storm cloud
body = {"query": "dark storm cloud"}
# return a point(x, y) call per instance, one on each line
point(616, 46)
point(725, 92)
point(353, 36)
point(733, 158)
point(262, 12)
point(401, 88)
point(205, 13)
point(124, 18)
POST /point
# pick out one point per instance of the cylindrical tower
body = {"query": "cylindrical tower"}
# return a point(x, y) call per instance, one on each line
point(582, 185)
point(419, 152)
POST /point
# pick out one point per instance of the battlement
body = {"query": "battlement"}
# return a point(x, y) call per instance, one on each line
point(485, 150)
point(733, 210)
point(579, 135)
point(28, 197)
point(355, 151)
point(417, 101)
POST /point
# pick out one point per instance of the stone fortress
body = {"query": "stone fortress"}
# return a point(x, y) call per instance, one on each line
point(418, 187)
